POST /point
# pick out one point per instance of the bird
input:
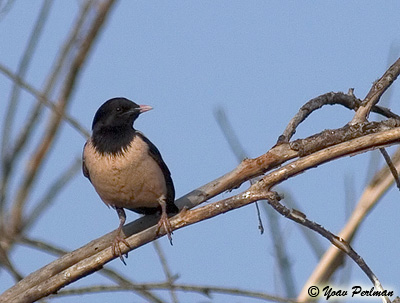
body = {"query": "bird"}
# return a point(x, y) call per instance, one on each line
point(126, 169)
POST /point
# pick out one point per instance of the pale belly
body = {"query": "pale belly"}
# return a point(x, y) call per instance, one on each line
point(130, 181)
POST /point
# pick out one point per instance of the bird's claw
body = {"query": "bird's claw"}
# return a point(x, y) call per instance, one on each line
point(117, 249)
point(164, 222)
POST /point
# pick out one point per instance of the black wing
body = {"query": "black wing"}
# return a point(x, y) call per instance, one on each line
point(84, 168)
point(155, 154)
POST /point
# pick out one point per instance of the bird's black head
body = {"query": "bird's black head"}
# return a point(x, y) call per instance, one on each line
point(113, 124)
point(117, 112)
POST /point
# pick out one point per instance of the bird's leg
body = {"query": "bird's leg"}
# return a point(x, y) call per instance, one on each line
point(115, 245)
point(164, 221)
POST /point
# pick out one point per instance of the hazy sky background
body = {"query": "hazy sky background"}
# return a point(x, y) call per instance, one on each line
point(260, 61)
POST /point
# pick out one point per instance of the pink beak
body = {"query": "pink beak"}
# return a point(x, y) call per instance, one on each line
point(144, 108)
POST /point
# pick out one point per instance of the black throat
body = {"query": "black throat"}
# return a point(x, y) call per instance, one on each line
point(113, 140)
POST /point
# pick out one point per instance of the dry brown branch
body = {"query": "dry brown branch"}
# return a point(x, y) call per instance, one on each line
point(37, 30)
point(9, 155)
point(94, 255)
point(31, 122)
point(205, 290)
point(52, 128)
point(117, 278)
point(333, 257)
point(338, 242)
point(376, 91)
point(45, 101)
point(283, 264)
point(347, 100)
point(331, 137)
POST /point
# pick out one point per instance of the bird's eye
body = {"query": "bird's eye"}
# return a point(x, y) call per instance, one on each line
point(118, 109)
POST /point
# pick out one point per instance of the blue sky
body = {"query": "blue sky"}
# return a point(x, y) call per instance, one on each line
point(258, 60)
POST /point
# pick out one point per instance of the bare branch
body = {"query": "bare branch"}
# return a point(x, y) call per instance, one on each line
point(281, 255)
point(347, 100)
point(201, 289)
point(35, 163)
point(128, 283)
point(53, 190)
point(43, 99)
point(170, 278)
point(118, 278)
point(8, 156)
point(22, 69)
point(391, 166)
point(376, 92)
point(338, 242)
point(236, 148)
point(6, 263)
point(31, 122)
point(312, 238)
point(331, 137)
point(371, 195)
point(285, 270)
point(94, 255)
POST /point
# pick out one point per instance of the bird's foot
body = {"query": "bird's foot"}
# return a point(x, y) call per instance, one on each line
point(164, 222)
point(117, 249)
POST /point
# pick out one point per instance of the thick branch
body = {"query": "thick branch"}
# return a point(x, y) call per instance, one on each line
point(94, 255)
point(332, 137)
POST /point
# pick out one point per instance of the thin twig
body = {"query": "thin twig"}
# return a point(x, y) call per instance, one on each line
point(330, 261)
point(43, 99)
point(29, 126)
point(36, 161)
point(285, 271)
point(236, 148)
point(5, 7)
point(281, 255)
point(8, 155)
point(21, 71)
point(335, 240)
point(312, 238)
point(384, 101)
point(53, 190)
point(392, 168)
point(31, 121)
point(5, 263)
point(376, 91)
point(109, 273)
point(170, 278)
point(201, 289)
point(347, 100)
point(123, 281)
point(68, 46)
